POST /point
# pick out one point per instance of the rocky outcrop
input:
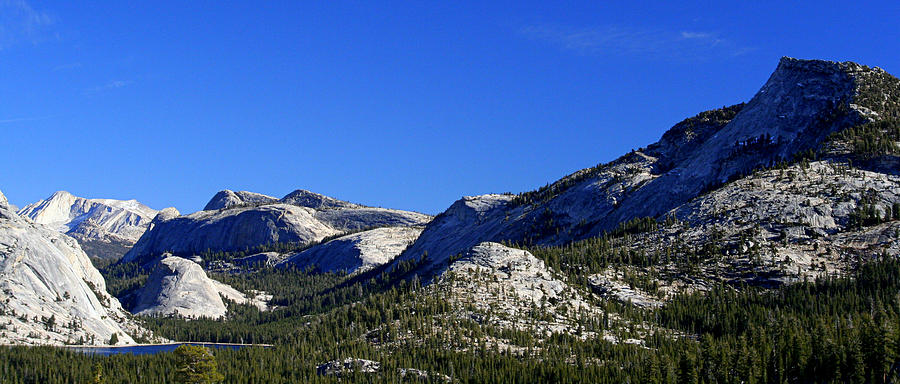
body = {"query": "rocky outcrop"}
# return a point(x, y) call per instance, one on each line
point(350, 365)
point(355, 253)
point(50, 293)
point(778, 226)
point(491, 277)
point(227, 199)
point(246, 227)
point(178, 286)
point(802, 103)
point(93, 222)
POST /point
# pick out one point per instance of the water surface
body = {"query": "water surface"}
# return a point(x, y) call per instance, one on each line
point(147, 349)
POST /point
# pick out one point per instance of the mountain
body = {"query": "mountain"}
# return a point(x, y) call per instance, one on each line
point(827, 111)
point(104, 227)
point(229, 199)
point(301, 217)
point(355, 253)
point(50, 293)
point(180, 286)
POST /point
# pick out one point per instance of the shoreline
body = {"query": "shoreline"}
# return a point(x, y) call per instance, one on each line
point(201, 343)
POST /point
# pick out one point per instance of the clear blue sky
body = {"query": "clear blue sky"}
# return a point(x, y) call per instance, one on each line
point(408, 105)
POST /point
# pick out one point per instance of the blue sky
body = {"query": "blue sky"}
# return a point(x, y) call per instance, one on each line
point(407, 105)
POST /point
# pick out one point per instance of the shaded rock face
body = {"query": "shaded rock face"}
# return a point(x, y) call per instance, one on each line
point(461, 227)
point(799, 106)
point(117, 222)
point(179, 286)
point(228, 199)
point(355, 253)
point(246, 227)
point(45, 275)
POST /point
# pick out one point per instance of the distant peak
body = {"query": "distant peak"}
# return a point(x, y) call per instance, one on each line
point(166, 214)
point(304, 198)
point(227, 198)
point(821, 66)
point(61, 194)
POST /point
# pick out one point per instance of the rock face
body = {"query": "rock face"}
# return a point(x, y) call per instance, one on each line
point(355, 253)
point(802, 103)
point(181, 287)
point(93, 222)
point(348, 365)
point(301, 217)
point(229, 230)
point(491, 277)
point(228, 199)
point(304, 198)
point(50, 293)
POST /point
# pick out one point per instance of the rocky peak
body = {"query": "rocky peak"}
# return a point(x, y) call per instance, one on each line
point(180, 286)
point(304, 198)
point(104, 227)
point(61, 195)
point(166, 214)
point(4, 204)
point(799, 106)
point(227, 199)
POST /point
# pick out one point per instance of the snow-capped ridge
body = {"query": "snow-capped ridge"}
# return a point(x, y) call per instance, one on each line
point(106, 220)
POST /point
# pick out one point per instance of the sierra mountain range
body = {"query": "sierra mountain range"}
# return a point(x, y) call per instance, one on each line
point(800, 181)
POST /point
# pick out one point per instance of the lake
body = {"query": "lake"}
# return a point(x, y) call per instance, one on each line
point(146, 349)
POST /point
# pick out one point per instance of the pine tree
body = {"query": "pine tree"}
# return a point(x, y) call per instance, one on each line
point(196, 365)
